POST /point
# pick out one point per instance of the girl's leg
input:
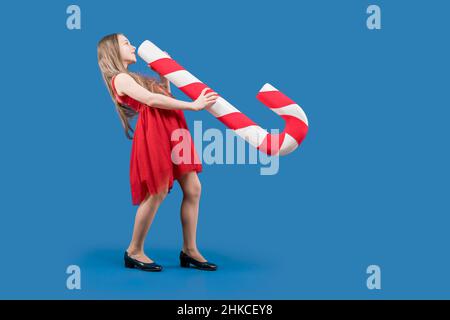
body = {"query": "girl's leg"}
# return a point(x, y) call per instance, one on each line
point(144, 218)
point(190, 184)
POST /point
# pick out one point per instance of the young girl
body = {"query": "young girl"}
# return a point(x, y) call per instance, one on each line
point(152, 171)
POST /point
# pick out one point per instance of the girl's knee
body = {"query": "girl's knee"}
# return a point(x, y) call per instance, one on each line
point(155, 197)
point(161, 195)
point(194, 190)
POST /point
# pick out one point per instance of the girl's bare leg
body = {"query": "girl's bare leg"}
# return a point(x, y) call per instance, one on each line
point(190, 184)
point(144, 217)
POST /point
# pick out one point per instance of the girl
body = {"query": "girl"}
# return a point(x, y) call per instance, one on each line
point(152, 171)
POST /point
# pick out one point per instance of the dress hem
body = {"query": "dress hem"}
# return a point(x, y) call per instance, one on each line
point(135, 199)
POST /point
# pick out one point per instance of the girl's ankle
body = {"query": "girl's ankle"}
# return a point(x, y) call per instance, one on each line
point(135, 252)
point(190, 250)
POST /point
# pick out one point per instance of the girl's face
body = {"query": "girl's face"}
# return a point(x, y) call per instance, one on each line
point(127, 51)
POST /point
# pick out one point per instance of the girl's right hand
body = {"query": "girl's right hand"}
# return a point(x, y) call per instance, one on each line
point(204, 100)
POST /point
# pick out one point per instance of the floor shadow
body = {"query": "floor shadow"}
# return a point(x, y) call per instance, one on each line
point(169, 258)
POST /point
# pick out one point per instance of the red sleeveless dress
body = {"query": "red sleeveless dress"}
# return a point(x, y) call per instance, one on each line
point(153, 165)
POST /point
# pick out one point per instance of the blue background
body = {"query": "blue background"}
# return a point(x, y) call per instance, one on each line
point(369, 185)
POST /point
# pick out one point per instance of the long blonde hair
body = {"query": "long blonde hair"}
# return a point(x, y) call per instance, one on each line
point(110, 63)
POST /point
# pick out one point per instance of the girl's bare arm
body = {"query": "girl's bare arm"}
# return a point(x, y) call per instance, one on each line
point(125, 84)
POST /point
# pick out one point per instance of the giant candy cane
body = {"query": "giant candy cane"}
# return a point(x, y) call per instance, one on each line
point(273, 144)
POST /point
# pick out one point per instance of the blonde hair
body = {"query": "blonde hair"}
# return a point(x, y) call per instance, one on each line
point(110, 63)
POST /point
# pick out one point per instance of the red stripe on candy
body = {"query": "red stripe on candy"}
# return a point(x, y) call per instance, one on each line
point(194, 89)
point(295, 128)
point(236, 120)
point(272, 143)
point(165, 66)
point(274, 99)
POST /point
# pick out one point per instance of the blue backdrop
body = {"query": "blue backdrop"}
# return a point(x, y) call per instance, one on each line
point(368, 186)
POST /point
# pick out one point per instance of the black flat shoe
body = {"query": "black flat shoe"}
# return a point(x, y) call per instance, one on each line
point(186, 261)
point(133, 263)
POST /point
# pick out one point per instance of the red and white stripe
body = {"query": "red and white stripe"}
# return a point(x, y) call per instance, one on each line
point(273, 144)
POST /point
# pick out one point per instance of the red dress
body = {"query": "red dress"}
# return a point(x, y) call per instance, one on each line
point(153, 165)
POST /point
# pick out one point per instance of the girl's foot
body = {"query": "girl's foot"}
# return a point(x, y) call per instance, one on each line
point(137, 264)
point(140, 256)
point(187, 261)
point(194, 253)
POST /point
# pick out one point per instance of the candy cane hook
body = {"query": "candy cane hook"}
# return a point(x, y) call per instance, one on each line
point(296, 126)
